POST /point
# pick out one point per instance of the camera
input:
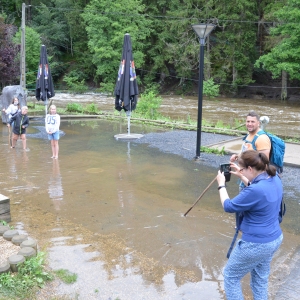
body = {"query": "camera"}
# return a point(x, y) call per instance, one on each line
point(226, 169)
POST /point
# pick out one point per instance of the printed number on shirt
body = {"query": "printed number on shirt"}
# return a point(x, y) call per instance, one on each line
point(51, 119)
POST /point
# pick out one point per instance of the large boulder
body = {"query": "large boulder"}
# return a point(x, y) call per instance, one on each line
point(8, 93)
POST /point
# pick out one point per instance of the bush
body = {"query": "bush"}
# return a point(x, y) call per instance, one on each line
point(74, 107)
point(149, 103)
point(210, 89)
point(91, 109)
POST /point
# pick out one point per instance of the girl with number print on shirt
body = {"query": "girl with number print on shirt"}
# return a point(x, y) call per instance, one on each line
point(52, 123)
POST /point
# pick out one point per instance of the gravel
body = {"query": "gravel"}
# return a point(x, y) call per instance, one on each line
point(7, 248)
point(183, 143)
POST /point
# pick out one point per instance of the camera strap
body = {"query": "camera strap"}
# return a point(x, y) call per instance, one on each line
point(233, 242)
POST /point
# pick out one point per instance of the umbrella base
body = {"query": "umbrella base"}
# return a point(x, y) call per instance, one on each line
point(125, 136)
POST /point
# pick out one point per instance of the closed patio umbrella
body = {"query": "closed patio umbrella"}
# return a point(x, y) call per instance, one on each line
point(126, 89)
point(44, 85)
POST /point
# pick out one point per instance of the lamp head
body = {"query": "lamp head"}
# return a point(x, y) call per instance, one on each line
point(203, 29)
point(264, 119)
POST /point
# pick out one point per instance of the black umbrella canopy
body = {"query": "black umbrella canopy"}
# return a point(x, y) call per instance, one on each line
point(44, 88)
point(126, 90)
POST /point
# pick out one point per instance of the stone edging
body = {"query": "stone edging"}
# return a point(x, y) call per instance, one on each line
point(28, 249)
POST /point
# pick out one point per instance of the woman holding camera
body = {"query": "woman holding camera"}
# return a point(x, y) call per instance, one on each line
point(260, 202)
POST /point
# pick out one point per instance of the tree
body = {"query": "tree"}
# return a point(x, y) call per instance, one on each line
point(233, 52)
point(106, 23)
point(284, 56)
point(32, 56)
point(9, 66)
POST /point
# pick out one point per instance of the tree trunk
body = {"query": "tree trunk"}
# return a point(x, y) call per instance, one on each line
point(234, 74)
point(283, 86)
point(71, 41)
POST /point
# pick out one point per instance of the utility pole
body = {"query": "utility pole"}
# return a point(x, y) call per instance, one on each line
point(23, 64)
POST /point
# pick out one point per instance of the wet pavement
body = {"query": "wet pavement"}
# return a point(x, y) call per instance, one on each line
point(291, 156)
point(112, 212)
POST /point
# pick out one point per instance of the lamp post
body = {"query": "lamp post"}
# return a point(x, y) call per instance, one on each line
point(202, 30)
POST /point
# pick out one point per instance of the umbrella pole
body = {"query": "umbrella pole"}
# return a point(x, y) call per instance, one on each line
point(128, 121)
point(46, 105)
point(129, 117)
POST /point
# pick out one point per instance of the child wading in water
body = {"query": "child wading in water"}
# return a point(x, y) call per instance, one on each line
point(12, 109)
point(21, 122)
point(52, 123)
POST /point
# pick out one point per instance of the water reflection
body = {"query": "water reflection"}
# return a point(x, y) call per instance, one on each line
point(55, 188)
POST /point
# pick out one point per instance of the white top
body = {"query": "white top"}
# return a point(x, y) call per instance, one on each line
point(11, 110)
point(52, 123)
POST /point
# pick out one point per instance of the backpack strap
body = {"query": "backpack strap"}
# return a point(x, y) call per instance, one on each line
point(260, 132)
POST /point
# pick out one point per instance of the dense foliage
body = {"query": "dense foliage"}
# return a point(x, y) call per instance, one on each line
point(285, 54)
point(32, 46)
point(84, 40)
point(9, 67)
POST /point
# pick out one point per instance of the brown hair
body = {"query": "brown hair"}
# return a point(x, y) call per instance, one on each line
point(13, 100)
point(256, 160)
point(253, 114)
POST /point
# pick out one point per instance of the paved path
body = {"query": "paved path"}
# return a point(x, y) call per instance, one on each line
point(291, 157)
point(290, 287)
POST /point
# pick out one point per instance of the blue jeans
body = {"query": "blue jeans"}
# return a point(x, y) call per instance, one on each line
point(254, 258)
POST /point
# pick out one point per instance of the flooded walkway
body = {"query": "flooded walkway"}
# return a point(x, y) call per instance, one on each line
point(112, 212)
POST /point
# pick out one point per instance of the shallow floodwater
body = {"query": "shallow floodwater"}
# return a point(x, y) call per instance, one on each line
point(112, 212)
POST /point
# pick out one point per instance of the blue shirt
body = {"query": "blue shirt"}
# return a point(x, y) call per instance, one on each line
point(260, 203)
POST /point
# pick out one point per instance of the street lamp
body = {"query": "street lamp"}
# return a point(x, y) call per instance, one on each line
point(202, 30)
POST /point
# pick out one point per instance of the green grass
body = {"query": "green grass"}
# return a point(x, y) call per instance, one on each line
point(66, 276)
point(30, 277)
point(292, 140)
point(213, 150)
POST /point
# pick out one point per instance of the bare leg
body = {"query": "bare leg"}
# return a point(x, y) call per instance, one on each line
point(14, 140)
point(23, 137)
point(56, 148)
point(53, 148)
